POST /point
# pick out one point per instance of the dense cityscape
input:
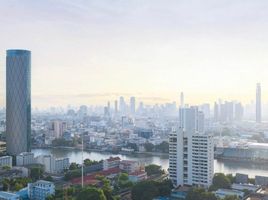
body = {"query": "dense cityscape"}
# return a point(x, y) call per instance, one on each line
point(128, 148)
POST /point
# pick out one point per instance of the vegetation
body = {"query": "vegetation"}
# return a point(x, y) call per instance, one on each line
point(147, 190)
point(63, 142)
point(153, 170)
point(36, 173)
point(15, 184)
point(200, 194)
point(88, 162)
point(220, 181)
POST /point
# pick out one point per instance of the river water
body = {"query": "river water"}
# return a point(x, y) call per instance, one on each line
point(225, 166)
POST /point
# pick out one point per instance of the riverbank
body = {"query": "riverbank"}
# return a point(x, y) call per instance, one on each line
point(98, 150)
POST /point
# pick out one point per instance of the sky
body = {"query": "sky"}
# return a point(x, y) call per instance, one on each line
point(92, 51)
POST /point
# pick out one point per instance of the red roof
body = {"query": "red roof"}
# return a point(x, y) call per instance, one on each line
point(137, 173)
point(90, 179)
point(113, 159)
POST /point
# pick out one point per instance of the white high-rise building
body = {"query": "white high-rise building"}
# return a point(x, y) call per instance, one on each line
point(25, 158)
point(132, 105)
point(191, 151)
point(6, 161)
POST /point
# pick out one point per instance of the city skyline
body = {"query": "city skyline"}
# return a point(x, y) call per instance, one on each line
point(124, 48)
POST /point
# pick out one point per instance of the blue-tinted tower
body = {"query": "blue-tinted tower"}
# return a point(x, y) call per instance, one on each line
point(18, 101)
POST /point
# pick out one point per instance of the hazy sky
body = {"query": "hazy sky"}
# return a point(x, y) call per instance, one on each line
point(89, 51)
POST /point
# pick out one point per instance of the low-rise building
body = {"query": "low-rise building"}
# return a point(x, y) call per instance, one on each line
point(61, 164)
point(25, 158)
point(129, 166)
point(242, 187)
point(137, 176)
point(40, 190)
point(111, 162)
point(6, 161)
point(8, 196)
point(222, 193)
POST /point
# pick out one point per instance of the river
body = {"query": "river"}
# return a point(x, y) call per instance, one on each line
point(225, 166)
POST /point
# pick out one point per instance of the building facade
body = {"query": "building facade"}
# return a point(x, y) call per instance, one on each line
point(6, 161)
point(40, 190)
point(18, 101)
point(25, 158)
point(191, 151)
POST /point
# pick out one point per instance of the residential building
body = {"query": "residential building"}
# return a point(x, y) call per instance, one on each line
point(222, 193)
point(191, 151)
point(25, 158)
point(137, 176)
point(40, 190)
point(6, 161)
point(58, 128)
point(8, 196)
point(111, 162)
point(60, 164)
point(129, 166)
point(18, 101)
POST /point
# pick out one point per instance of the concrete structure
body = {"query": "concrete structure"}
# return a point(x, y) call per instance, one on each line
point(18, 101)
point(137, 176)
point(60, 164)
point(40, 190)
point(111, 162)
point(25, 158)
point(132, 105)
point(52, 165)
point(261, 180)
point(129, 166)
point(222, 193)
point(191, 152)
point(6, 161)
point(58, 128)
point(242, 187)
point(258, 103)
point(9, 196)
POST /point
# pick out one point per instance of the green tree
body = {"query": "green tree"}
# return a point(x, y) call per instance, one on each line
point(231, 198)
point(91, 193)
point(73, 166)
point(149, 147)
point(153, 169)
point(88, 162)
point(200, 194)
point(36, 173)
point(145, 190)
point(220, 181)
point(162, 147)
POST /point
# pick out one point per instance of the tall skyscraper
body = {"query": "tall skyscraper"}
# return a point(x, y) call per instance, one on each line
point(191, 151)
point(258, 103)
point(18, 101)
point(182, 100)
point(132, 105)
point(115, 106)
point(122, 105)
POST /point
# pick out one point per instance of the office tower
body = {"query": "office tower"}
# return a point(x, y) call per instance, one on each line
point(205, 108)
point(239, 111)
point(191, 151)
point(182, 100)
point(122, 105)
point(258, 103)
point(82, 112)
point(109, 107)
point(18, 101)
point(132, 105)
point(115, 106)
point(58, 128)
point(216, 112)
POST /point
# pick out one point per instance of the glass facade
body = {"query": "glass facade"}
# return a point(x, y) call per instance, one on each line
point(18, 101)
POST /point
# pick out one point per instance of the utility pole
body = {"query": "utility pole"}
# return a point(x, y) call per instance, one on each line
point(82, 160)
